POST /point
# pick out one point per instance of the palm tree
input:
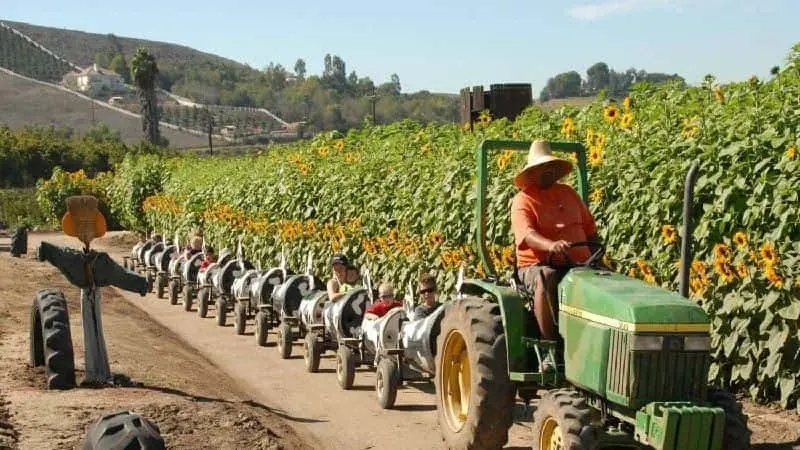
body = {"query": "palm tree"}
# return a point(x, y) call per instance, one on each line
point(144, 72)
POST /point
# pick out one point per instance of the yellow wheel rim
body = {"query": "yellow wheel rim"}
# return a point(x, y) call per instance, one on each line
point(551, 437)
point(455, 380)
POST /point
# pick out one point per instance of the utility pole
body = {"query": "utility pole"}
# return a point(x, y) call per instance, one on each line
point(210, 124)
point(91, 101)
point(373, 99)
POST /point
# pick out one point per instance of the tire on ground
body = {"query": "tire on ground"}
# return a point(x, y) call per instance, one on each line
point(240, 316)
point(160, 286)
point(568, 411)
point(285, 339)
point(123, 430)
point(174, 289)
point(737, 435)
point(312, 351)
point(203, 299)
point(491, 399)
point(221, 312)
point(187, 297)
point(261, 329)
point(51, 339)
point(345, 367)
point(387, 380)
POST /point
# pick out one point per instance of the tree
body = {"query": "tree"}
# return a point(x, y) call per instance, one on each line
point(597, 78)
point(120, 66)
point(395, 80)
point(144, 72)
point(101, 59)
point(300, 68)
point(567, 84)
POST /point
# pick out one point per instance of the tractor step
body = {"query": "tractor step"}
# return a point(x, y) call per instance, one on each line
point(545, 379)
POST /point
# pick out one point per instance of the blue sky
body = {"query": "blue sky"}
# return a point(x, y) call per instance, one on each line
point(443, 46)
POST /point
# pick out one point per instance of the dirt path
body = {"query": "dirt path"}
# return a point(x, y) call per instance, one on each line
point(313, 404)
point(195, 404)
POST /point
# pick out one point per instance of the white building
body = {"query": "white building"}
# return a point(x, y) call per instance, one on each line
point(95, 80)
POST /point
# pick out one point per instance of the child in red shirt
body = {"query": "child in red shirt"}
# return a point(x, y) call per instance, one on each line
point(386, 295)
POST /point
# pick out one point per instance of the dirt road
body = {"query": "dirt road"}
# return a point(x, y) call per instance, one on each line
point(312, 404)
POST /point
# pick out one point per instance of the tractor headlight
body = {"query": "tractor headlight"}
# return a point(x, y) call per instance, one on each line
point(697, 343)
point(646, 343)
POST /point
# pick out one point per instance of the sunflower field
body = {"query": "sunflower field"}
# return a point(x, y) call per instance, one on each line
point(399, 199)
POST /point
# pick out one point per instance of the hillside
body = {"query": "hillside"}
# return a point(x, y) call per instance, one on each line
point(81, 47)
point(29, 103)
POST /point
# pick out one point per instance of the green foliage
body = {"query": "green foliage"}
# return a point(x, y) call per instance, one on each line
point(139, 176)
point(600, 78)
point(30, 154)
point(18, 207)
point(23, 57)
point(51, 194)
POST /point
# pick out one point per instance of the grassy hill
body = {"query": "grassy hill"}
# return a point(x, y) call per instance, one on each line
point(27, 103)
point(81, 47)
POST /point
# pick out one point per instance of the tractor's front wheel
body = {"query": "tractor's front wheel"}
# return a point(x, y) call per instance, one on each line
point(474, 395)
point(736, 435)
point(563, 420)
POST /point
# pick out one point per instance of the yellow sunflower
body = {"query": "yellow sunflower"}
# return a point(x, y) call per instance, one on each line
point(740, 239)
point(669, 234)
point(611, 113)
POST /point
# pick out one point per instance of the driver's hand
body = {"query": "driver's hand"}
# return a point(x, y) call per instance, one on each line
point(559, 247)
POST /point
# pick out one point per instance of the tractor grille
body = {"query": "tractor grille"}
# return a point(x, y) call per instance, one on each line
point(646, 376)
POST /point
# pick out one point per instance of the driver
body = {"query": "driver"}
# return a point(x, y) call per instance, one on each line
point(546, 218)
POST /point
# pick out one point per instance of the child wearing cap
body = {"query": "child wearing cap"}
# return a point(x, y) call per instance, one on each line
point(335, 285)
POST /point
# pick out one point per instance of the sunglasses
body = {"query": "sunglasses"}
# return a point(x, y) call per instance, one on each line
point(427, 291)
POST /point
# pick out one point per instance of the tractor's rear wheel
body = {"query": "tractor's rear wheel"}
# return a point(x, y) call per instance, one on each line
point(174, 289)
point(563, 420)
point(736, 435)
point(474, 395)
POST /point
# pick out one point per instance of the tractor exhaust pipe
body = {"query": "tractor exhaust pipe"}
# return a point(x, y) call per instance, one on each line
point(688, 229)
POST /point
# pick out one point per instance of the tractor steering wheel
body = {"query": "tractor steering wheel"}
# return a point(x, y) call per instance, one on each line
point(592, 261)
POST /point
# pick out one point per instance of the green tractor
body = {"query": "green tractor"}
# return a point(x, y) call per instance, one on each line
point(632, 359)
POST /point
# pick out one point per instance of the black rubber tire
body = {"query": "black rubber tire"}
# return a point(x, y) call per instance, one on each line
point(572, 414)
point(387, 380)
point(261, 329)
point(222, 311)
point(51, 339)
point(492, 394)
point(737, 435)
point(174, 290)
point(187, 297)
point(345, 367)
point(240, 317)
point(285, 339)
point(123, 430)
point(160, 286)
point(203, 299)
point(312, 351)
point(150, 281)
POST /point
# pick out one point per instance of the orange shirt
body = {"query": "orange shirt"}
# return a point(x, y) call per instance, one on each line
point(556, 213)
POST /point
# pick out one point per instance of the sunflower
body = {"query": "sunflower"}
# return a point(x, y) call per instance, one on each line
point(722, 252)
point(742, 270)
point(627, 103)
point(768, 255)
point(627, 120)
point(699, 267)
point(610, 113)
point(791, 153)
point(568, 127)
point(595, 156)
point(596, 196)
point(724, 270)
point(426, 148)
point(508, 255)
point(323, 151)
point(339, 144)
point(774, 277)
point(719, 95)
point(669, 234)
point(740, 239)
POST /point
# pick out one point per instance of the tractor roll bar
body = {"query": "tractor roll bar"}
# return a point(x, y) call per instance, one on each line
point(482, 182)
point(688, 230)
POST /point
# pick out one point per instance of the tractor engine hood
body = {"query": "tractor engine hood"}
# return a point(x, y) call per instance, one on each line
point(631, 342)
point(629, 304)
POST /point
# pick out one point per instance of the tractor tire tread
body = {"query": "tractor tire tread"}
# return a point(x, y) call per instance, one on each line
point(574, 417)
point(51, 339)
point(737, 435)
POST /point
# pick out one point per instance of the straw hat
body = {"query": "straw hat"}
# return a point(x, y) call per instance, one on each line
point(540, 158)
